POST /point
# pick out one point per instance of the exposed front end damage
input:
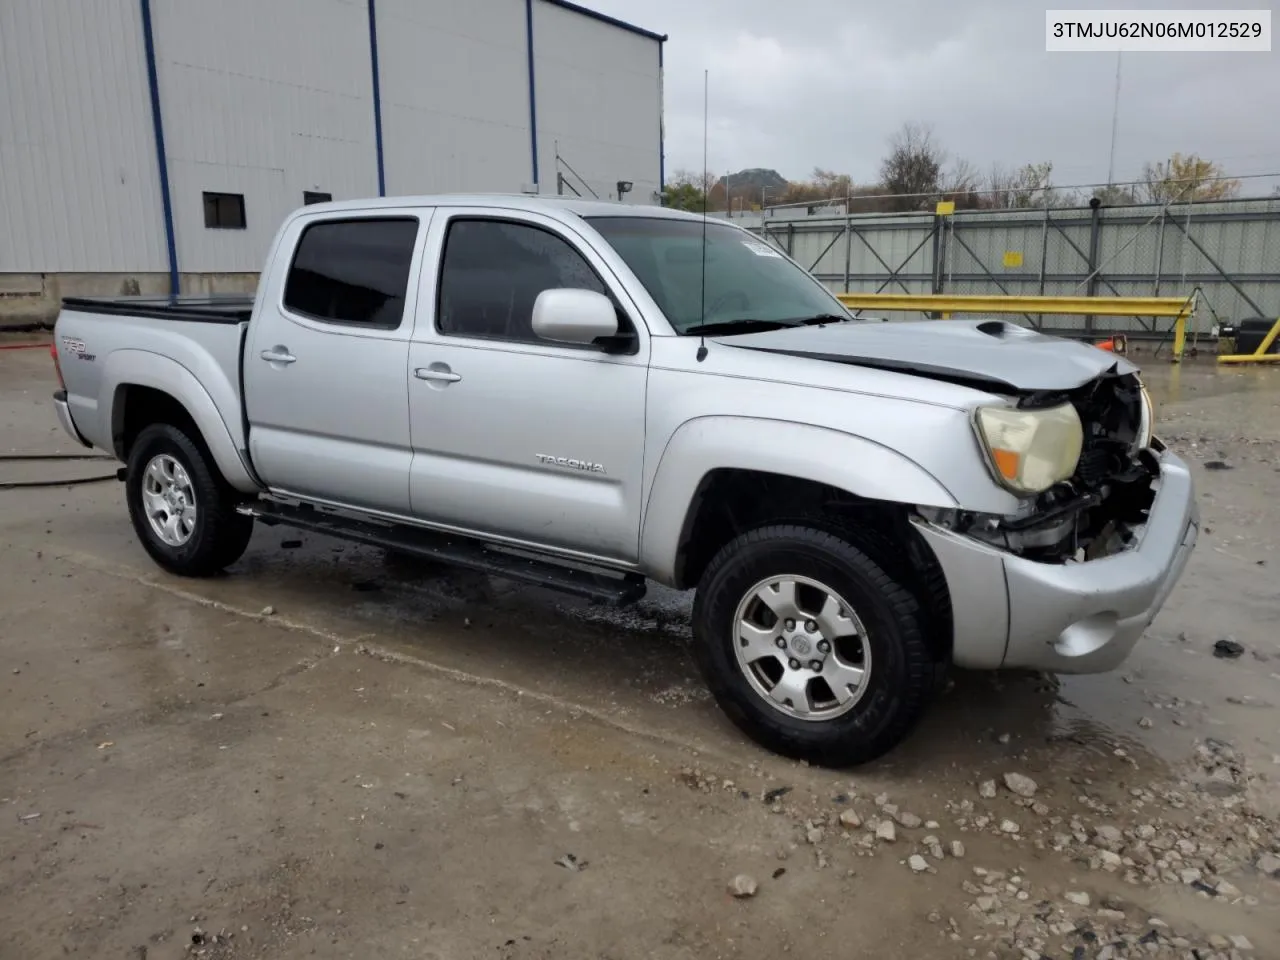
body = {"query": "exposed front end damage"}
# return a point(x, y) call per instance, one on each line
point(1103, 507)
point(1071, 581)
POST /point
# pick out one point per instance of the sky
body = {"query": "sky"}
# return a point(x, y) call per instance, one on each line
point(825, 83)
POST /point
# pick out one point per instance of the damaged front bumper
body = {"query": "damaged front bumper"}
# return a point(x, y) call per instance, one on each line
point(1070, 617)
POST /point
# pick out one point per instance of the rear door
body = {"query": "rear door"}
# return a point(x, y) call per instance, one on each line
point(515, 436)
point(325, 366)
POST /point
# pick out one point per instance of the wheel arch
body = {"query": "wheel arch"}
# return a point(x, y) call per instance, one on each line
point(143, 388)
point(796, 457)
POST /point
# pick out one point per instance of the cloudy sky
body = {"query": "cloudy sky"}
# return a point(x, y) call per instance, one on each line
point(808, 83)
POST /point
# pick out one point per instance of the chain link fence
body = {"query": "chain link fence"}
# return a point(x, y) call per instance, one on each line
point(1226, 252)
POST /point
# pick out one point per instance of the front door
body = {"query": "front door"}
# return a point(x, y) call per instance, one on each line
point(514, 436)
point(325, 366)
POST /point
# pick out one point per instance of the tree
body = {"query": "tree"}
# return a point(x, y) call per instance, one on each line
point(1183, 179)
point(687, 190)
point(912, 172)
point(960, 177)
point(1113, 196)
point(683, 196)
point(1028, 187)
point(833, 185)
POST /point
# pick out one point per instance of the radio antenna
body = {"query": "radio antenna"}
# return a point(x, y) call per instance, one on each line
point(702, 347)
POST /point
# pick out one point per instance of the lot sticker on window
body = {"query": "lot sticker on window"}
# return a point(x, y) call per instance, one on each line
point(761, 249)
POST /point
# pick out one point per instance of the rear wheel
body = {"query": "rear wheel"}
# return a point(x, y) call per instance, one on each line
point(810, 647)
point(182, 510)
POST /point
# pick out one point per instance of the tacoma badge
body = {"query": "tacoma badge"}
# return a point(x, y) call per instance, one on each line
point(587, 465)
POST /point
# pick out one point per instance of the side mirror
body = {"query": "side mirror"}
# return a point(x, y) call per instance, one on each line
point(574, 316)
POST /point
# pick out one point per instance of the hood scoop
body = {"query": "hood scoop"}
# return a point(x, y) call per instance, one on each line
point(1002, 329)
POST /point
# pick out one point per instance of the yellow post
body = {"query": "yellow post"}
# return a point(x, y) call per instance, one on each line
point(1179, 337)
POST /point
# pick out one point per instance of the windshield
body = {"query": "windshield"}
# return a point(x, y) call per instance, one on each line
point(747, 280)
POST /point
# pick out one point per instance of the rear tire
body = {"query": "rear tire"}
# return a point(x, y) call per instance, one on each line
point(840, 706)
point(182, 510)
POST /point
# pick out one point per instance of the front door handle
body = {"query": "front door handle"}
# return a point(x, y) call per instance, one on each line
point(440, 374)
point(278, 354)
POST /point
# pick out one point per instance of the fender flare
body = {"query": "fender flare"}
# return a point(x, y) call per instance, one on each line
point(843, 460)
point(140, 368)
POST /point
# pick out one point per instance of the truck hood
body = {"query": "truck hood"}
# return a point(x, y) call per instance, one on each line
point(988, 354)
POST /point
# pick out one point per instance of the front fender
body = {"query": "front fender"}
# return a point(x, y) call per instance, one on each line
point(842, 460)
point(144, 369)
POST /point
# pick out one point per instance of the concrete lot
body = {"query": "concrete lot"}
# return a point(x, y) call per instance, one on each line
point(397, 761)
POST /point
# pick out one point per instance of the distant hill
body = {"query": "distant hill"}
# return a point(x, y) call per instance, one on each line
point(753, 180)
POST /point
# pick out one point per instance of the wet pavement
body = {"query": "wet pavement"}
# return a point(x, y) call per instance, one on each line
point(393, 759)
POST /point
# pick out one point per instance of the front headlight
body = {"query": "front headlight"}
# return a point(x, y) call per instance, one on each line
point(1031, 450)
point(1147, 425)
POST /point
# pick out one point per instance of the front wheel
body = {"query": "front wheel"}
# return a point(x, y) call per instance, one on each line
point(810, 647)
point(182, 510)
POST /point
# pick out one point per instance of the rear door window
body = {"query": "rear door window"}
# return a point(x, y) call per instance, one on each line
point(353, 272)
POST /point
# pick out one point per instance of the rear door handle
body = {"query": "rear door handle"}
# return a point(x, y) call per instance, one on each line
point(278, 355)
point(442, 375)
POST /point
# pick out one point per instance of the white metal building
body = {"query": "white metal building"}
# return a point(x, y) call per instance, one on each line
point(143, 140)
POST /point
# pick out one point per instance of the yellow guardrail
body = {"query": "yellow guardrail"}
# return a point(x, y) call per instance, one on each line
point(1260, 355)
point(1179, 308)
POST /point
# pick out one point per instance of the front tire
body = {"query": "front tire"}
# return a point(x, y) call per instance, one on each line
point(810, 647)
point(182, 510)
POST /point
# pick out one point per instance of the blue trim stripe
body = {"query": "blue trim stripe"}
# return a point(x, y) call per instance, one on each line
point(377, 97)
point(162, 161)
point(662, 124)
point(533, 88)
point(605, 18)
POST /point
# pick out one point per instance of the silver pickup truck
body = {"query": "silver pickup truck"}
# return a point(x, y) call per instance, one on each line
point(591, 396)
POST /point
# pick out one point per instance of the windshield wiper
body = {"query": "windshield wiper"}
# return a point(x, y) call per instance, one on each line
point(744, 325)
point(818, 319)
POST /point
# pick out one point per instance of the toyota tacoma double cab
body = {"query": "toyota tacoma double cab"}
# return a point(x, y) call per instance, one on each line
point(592, 396)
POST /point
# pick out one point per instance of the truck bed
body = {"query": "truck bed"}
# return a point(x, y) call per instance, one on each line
point(206, 308)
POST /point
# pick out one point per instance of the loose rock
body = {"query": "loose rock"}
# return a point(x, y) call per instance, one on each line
point(1241, 943)
point(268, 611)
point(1022, 785)
point(1008, 826)
point(850, 819)
point(1079, 898)
point(1227, 649)
point(908, 820)
point(1269, 864)
point(1109, 835)
point(917, 863)
point(957, 849)
point(1146, 723)
point(814, 835)
point(987, 789)
point(885, 831)
point(742, 886)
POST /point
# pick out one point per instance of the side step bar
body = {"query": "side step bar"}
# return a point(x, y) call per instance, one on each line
point(454, 551)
